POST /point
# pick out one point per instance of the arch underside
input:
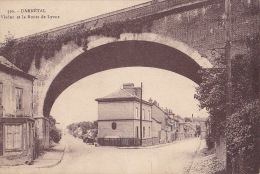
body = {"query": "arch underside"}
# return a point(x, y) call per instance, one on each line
point(117, 55)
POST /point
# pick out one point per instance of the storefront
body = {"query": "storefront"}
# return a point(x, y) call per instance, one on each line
point(16, 136)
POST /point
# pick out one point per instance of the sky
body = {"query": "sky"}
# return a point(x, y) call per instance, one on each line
point(77, 103)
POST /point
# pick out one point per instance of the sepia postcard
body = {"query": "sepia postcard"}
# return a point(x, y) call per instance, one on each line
point(129, 86)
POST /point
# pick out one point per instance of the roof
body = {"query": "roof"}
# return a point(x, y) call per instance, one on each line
point(120, 95)
point(159, 118)
point(156, 119)
point(10, 66)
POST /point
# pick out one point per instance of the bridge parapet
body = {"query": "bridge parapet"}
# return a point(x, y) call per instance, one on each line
point(134, 12)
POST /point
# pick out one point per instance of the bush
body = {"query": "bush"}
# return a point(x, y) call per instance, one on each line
point(210, 141)
point(243, 130)
point(55, 135)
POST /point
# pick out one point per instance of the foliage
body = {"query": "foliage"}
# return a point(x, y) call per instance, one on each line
point(9, 38)
point(85, 125)
point(242, 135)
point(210, 141)
point(23, 52)
point(198, 130)
point(54, 134)
point(187, 119)
point(212, 94)
point(241, 127)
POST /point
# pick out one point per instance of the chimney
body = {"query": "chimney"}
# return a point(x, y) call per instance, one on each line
point(129, 87)
point(166, 110)
point(150, 100)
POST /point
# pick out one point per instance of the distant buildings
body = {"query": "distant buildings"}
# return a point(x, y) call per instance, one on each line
point(119, 120)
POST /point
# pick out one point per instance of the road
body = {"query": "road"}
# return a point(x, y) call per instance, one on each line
point(80, 158)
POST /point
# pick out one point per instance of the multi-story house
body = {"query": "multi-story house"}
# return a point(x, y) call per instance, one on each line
point(16, 119)
point(119, 118)
point(160, 116)
point(190, 130)
point(172, 126)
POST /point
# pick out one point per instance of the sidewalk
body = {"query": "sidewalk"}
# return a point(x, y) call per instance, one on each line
point(14, 160)
point(205, 161)
point(51, 157)
point(155, 146)
point(48, 158)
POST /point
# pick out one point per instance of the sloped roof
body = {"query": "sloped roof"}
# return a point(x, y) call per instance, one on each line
point(121, 93)
point(8, 64)
point(156, 119)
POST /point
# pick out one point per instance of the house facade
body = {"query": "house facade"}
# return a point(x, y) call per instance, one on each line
point(119, 118)
point(187, 130)
point(17, 126)
point(159, 115)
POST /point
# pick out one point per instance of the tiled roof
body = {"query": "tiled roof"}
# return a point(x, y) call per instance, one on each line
point(8, 64)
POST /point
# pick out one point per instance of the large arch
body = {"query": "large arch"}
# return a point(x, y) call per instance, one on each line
point(145, 50)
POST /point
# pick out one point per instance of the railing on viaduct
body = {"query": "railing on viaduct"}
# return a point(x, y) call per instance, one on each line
point(137, 11)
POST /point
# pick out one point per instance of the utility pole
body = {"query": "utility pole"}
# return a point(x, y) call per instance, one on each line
point(228, 71)
point(141, 116)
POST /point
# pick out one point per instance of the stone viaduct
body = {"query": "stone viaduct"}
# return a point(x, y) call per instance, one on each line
point(182, 36)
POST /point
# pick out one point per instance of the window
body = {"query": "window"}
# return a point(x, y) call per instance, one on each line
point(137, 132)
point(136, 112)
point(143, 114)
point(13, 135)
point(149, 133)
point(1, 95)
point(149, 114)
point(143, 132)
point(114, 125)
point(19, 98)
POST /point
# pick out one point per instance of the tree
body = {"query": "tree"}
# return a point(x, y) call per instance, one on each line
point(187, 119)
point(55, 133)
point(198, 130)
point(245, 84)
point(212, 94)
point(9, 38)
point(84, 125)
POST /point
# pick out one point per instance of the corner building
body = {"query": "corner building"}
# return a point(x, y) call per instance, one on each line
point(17, 126)
point(119, 118)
